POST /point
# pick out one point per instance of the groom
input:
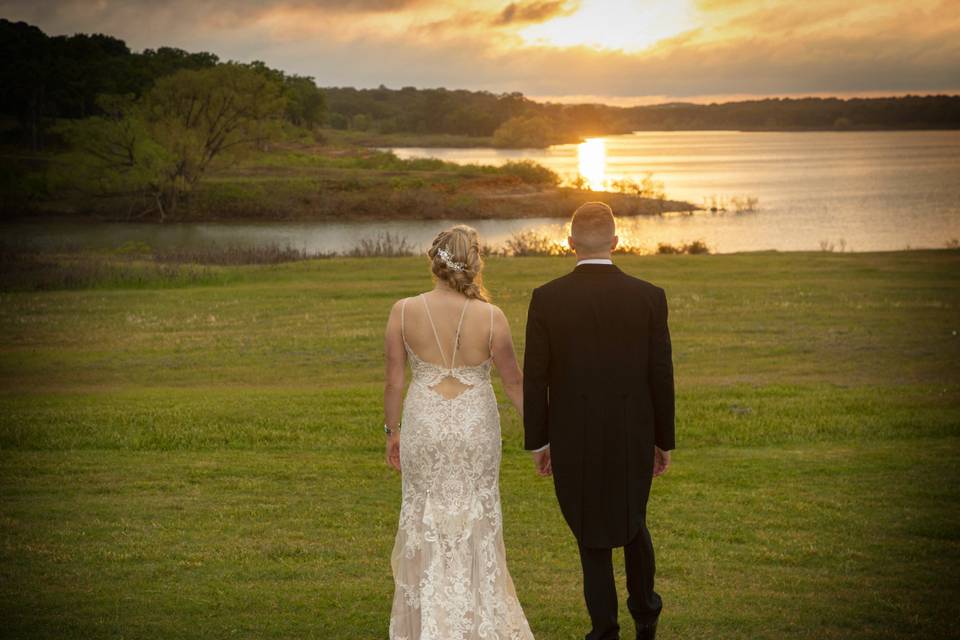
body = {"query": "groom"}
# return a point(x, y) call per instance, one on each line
point(598, 412)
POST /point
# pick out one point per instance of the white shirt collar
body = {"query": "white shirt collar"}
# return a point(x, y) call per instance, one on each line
point(594, 261)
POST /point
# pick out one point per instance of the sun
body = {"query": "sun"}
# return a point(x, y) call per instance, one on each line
point(615, 24)
point(592, 162)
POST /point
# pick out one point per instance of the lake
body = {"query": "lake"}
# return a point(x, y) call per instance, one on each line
point(865, 191)
point(855, 191)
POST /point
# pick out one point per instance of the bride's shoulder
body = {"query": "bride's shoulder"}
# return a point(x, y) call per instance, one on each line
point(407, 300)
point(494, 310)
point(399, 305)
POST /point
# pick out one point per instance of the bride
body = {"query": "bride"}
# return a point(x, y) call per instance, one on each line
point(449, 563)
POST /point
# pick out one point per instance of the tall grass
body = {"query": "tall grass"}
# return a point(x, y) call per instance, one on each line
point(237, 254)
point(531, 243)
point(384, 245)
point(132, 265)
point(137, 264)
point(37, 270)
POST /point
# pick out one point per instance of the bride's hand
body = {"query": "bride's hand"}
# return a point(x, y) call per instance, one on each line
point(542, 462)
point(393, 450)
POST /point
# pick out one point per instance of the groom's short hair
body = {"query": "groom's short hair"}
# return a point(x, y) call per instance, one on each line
point(592, 227)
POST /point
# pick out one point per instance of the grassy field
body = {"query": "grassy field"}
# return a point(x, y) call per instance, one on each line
point(205, 460)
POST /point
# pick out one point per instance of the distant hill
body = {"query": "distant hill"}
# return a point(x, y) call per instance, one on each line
point(481, 113)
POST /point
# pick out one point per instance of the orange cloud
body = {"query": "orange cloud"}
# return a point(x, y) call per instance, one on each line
point(735, 47)
point(527, 12)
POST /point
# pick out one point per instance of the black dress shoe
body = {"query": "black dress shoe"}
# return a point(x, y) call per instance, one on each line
point(646, 631)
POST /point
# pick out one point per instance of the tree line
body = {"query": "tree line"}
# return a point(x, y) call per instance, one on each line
point(44, 79)
point(515, 121)
point(905, 112)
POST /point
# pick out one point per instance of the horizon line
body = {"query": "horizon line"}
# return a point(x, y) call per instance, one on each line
point(662, 99)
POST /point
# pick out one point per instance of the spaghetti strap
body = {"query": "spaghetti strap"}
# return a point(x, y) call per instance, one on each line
point(436, 336)
point(490, 341)
point(456, 338)
point(403, 308)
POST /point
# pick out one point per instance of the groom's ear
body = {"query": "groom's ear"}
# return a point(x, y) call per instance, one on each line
point(570, 243)
point(613, 244)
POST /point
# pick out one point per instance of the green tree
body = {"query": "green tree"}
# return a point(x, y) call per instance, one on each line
point(305, 102)
point(162, 145)
point(114, 154)
point(207, 115)
point(360, 122)
point(524, 132)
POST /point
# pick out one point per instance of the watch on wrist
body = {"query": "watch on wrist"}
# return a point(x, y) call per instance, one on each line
point(387, 430)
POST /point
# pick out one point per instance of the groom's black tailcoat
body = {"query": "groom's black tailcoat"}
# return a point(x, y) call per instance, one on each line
point(598, 387)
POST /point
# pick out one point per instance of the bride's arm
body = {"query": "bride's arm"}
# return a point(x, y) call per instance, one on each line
point(396, 359)
point(506, 360)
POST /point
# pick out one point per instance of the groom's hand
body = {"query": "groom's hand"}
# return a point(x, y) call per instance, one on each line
point(661, 460)
point(541, 459)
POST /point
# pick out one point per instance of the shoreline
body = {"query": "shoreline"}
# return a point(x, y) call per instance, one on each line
point(388, 141)
point(368, 206)
point(35, 236)
point(135, 250)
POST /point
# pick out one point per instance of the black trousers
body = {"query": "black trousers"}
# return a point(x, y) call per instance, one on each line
point(600, 591)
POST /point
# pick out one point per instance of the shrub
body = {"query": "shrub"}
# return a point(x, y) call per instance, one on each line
point(667, 248)
point(531, 243)
point(746, 204)
point(530, 172)
point(695, 247)
point(645, 188)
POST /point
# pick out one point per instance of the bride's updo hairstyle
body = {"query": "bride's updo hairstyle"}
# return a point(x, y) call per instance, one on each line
point(455, 259)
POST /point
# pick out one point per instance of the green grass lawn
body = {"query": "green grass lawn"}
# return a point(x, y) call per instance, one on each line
point(205, 461)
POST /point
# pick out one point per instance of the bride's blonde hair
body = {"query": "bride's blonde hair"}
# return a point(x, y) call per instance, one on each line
point(455, 259)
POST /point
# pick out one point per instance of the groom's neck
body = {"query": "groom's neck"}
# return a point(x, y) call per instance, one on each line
point(592, 256)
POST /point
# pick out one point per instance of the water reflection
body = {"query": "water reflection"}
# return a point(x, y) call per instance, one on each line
point(592, 163)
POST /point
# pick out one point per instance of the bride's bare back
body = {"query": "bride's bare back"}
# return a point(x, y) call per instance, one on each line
point(449, 331)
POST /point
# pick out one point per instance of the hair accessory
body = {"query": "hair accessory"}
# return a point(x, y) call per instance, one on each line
point(449, 261)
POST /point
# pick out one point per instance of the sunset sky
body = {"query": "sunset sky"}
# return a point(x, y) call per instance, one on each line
point(614, 51)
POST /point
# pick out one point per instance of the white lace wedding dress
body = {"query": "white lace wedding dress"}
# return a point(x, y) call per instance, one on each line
point(449, 563)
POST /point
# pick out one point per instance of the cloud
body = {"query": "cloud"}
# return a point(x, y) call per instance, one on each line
point(739, 48)
point(827, 64)
point(527, 12)
point(107, 7)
